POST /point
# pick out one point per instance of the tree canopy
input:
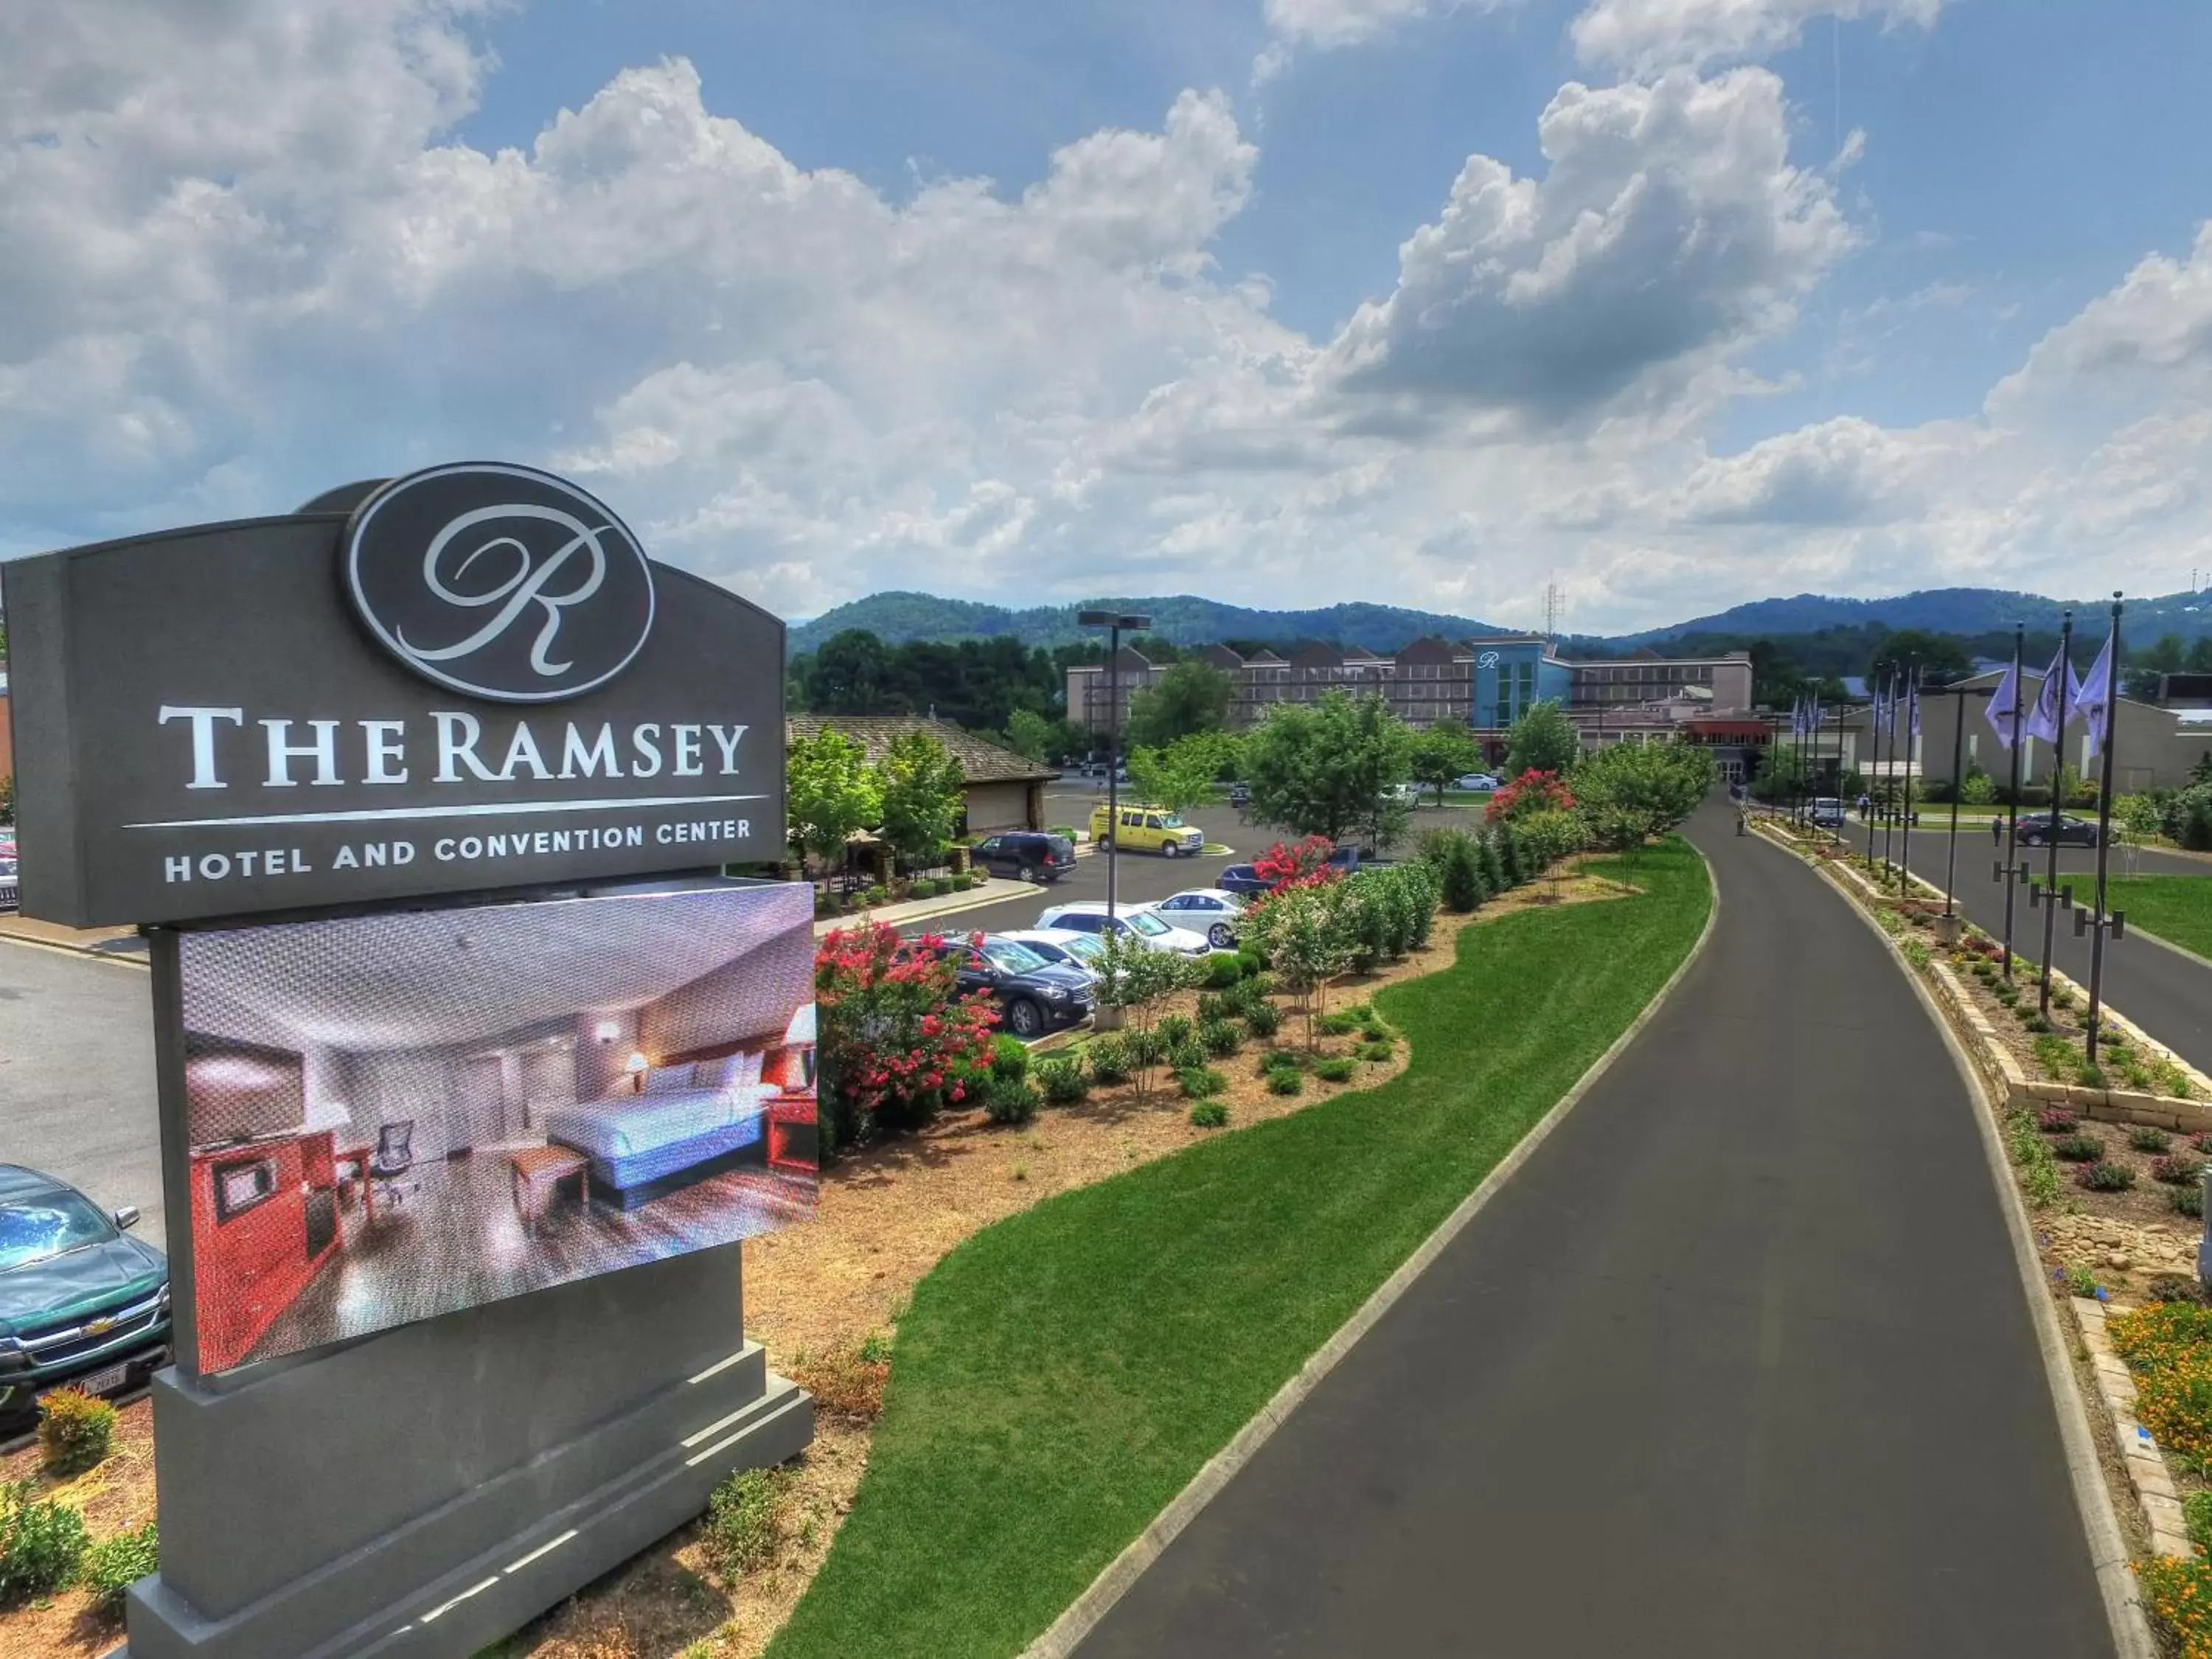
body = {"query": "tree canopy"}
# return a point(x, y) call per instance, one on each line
point(923, 787)
point(1543, 740)
point(1942, 658)
point(1330, 768)
point(1442, 752)
point(1183, 775)
point(830, 791)
point(1630, 792)
point(1189, 697)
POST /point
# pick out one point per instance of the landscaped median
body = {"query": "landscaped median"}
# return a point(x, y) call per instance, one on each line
point(1061, 1375)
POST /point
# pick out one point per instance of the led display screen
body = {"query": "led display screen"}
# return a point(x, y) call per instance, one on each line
point(397, 1116)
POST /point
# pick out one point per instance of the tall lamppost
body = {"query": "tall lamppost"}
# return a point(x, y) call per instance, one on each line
point(1113, 621)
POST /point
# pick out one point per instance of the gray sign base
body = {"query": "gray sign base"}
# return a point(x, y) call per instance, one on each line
point(430, 1489)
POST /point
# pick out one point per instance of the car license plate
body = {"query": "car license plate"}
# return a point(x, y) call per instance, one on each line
point(99, 1382)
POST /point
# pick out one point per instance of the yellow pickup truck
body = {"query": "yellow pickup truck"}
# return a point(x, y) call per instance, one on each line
point(1146, 829)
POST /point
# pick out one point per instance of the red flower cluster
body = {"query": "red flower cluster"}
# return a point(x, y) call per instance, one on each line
point(895, 1029)
point(1531, 792)
point(1305, 865)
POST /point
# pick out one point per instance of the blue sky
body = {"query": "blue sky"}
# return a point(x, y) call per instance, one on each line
point(1018, 301)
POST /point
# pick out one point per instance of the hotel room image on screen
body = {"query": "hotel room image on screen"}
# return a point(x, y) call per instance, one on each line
point(392, 1117)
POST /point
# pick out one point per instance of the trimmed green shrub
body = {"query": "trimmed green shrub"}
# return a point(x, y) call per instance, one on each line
point(1490, 859)
point(1199, 1081)
point(1285, 1080)
point(1248, 960)
point(1010, 1099)
point(1147, 1047)
point(1340, 1023)
point(2078, 1148)
point(2177, 1169)
point(1110, 1060)
point(1379, 1053)
point(1210, 1115)
point(1296, 1060)
point(1338, 1068)
point(114, 1564)
point(1061, 1078)
point(1263, 1020)
point(2105, 1177)
point(1182, 1057)
point(742, 1526)
point(2148, 1138)
point(1213, 1006)
point(41, 1542)
point(75, 1430)
point(1174, 1029)
point(1009, 1056)
point(1224, 970)
point(2187, 1201)
point(1219, 1038)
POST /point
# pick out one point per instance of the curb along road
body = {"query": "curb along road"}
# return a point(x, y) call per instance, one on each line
point(1735, 1364)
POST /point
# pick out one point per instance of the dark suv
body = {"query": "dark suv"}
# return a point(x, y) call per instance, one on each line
point(79, 1302)
point(1034, 996)
point(1024, 855)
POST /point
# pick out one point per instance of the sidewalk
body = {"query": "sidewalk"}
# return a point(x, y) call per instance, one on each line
point(112, 943)
point(989, 891)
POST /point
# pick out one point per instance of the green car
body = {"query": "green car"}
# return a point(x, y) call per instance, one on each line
point(79, 1302)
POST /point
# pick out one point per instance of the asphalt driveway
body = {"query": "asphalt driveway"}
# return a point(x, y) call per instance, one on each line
point(1738, 1364)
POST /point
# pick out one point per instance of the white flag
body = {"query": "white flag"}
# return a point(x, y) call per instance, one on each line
point(1915, 705)
point(2091, 696)
point(2043, 721)
point(2003, 702)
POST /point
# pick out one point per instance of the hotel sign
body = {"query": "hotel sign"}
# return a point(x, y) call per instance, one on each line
point(476, 679)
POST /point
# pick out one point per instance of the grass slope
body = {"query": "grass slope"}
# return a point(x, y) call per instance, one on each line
point(1064, 1373)
point(2177, 908)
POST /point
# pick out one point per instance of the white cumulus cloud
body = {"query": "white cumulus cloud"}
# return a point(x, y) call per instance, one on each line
point(1649, 35)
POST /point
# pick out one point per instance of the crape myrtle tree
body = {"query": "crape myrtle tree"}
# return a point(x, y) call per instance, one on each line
point(1190, 697)
point(830, 791)
point(923, 796)
point(1630, 793)
point(1542, 740)
point(898, 1040)
point(1329, 769)
point(1446, 750)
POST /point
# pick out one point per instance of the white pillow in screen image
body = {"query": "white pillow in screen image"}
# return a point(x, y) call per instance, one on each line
point(667, 1079)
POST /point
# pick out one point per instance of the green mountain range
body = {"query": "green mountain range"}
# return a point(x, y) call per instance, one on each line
point(900, 618)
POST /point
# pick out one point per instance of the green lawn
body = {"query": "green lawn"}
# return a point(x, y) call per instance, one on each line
point(1062, 1374)
point(2177, 908)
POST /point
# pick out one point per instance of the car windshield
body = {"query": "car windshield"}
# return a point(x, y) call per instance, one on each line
point(1084, 947)
point(1148, 924)
point(1008, 957)
point(1171, 821)
point(51, 1224)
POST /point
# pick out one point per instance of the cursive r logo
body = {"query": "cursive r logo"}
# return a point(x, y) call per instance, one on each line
point(498, 580)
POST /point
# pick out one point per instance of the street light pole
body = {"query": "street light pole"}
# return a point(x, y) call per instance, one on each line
point(1113, 621)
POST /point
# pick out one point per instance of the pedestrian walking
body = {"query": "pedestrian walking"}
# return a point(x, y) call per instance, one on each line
point(1996, 832)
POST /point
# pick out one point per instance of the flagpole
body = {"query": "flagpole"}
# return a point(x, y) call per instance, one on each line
point(1911, 748)
point(2110, 715)
point(2012, 804)
point(1958, 789)
point(1888, 810)
point(1874, 745)
point(2062, 663)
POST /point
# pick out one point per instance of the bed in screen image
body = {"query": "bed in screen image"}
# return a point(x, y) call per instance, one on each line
point(393, 1117)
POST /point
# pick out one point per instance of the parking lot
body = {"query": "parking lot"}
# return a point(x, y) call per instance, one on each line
point(77, 1047)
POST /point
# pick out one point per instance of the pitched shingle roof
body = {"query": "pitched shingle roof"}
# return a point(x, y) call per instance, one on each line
point(981, 761)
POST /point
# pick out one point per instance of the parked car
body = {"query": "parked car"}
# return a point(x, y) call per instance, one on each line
point(1146, 829)
point(1090, 917)
point(1024, 855)
point(1213, 911)
point(80, 1303)
point(1033, 996)
point(1410, 793)
point(2072, 831)
point(10, 890)
point(1240, 794)
point(1244, 881)
point(1828, 812)
point(1474, 780)
point(1061, 946)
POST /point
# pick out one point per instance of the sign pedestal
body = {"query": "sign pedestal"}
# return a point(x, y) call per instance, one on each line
point(426, 1490)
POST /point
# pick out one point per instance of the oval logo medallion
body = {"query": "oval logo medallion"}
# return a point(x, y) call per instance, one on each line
point(500, 582)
